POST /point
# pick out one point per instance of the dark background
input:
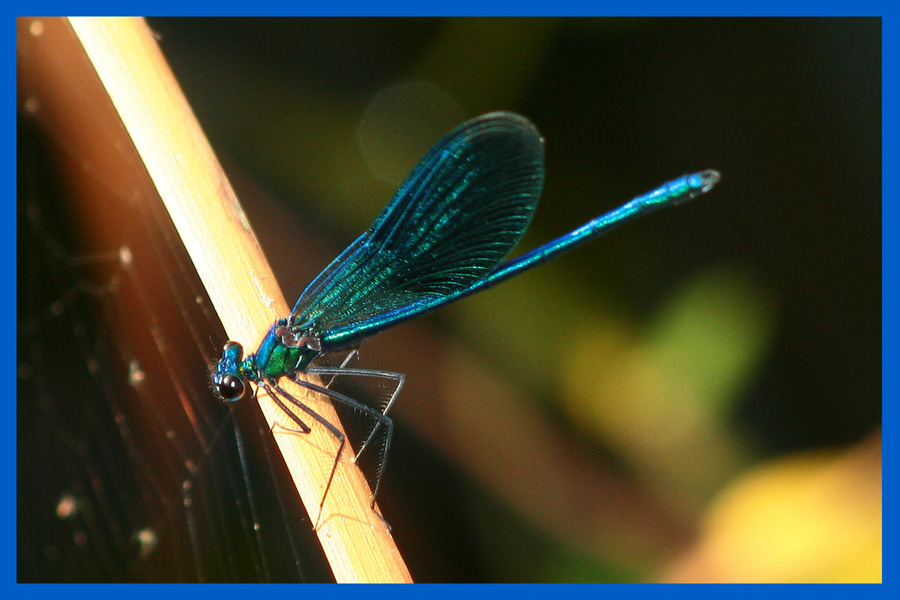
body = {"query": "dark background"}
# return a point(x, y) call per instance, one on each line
point(787, 109)
point(770, 285)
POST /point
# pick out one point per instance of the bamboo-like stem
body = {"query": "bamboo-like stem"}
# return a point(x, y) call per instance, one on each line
point(237, 278)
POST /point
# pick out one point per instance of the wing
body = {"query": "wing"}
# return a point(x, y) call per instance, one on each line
point(458, 214)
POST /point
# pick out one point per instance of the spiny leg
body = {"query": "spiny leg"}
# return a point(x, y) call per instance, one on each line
point(276, 392)
point(377, 415)
point(397, 378)
point(327, 383)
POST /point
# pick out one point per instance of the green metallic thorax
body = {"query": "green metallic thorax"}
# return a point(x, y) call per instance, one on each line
point(280, 353)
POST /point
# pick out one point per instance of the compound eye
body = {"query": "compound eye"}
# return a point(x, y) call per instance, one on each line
point(231, 387)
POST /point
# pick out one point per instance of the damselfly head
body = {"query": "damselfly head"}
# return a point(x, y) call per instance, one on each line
point(228, 381)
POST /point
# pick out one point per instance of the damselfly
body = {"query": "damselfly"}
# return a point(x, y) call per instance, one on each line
point(442, 237)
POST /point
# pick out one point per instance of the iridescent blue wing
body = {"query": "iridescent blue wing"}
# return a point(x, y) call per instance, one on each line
point(455, 218)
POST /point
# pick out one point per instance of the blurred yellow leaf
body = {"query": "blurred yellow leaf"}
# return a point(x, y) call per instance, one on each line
point(809, 518)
